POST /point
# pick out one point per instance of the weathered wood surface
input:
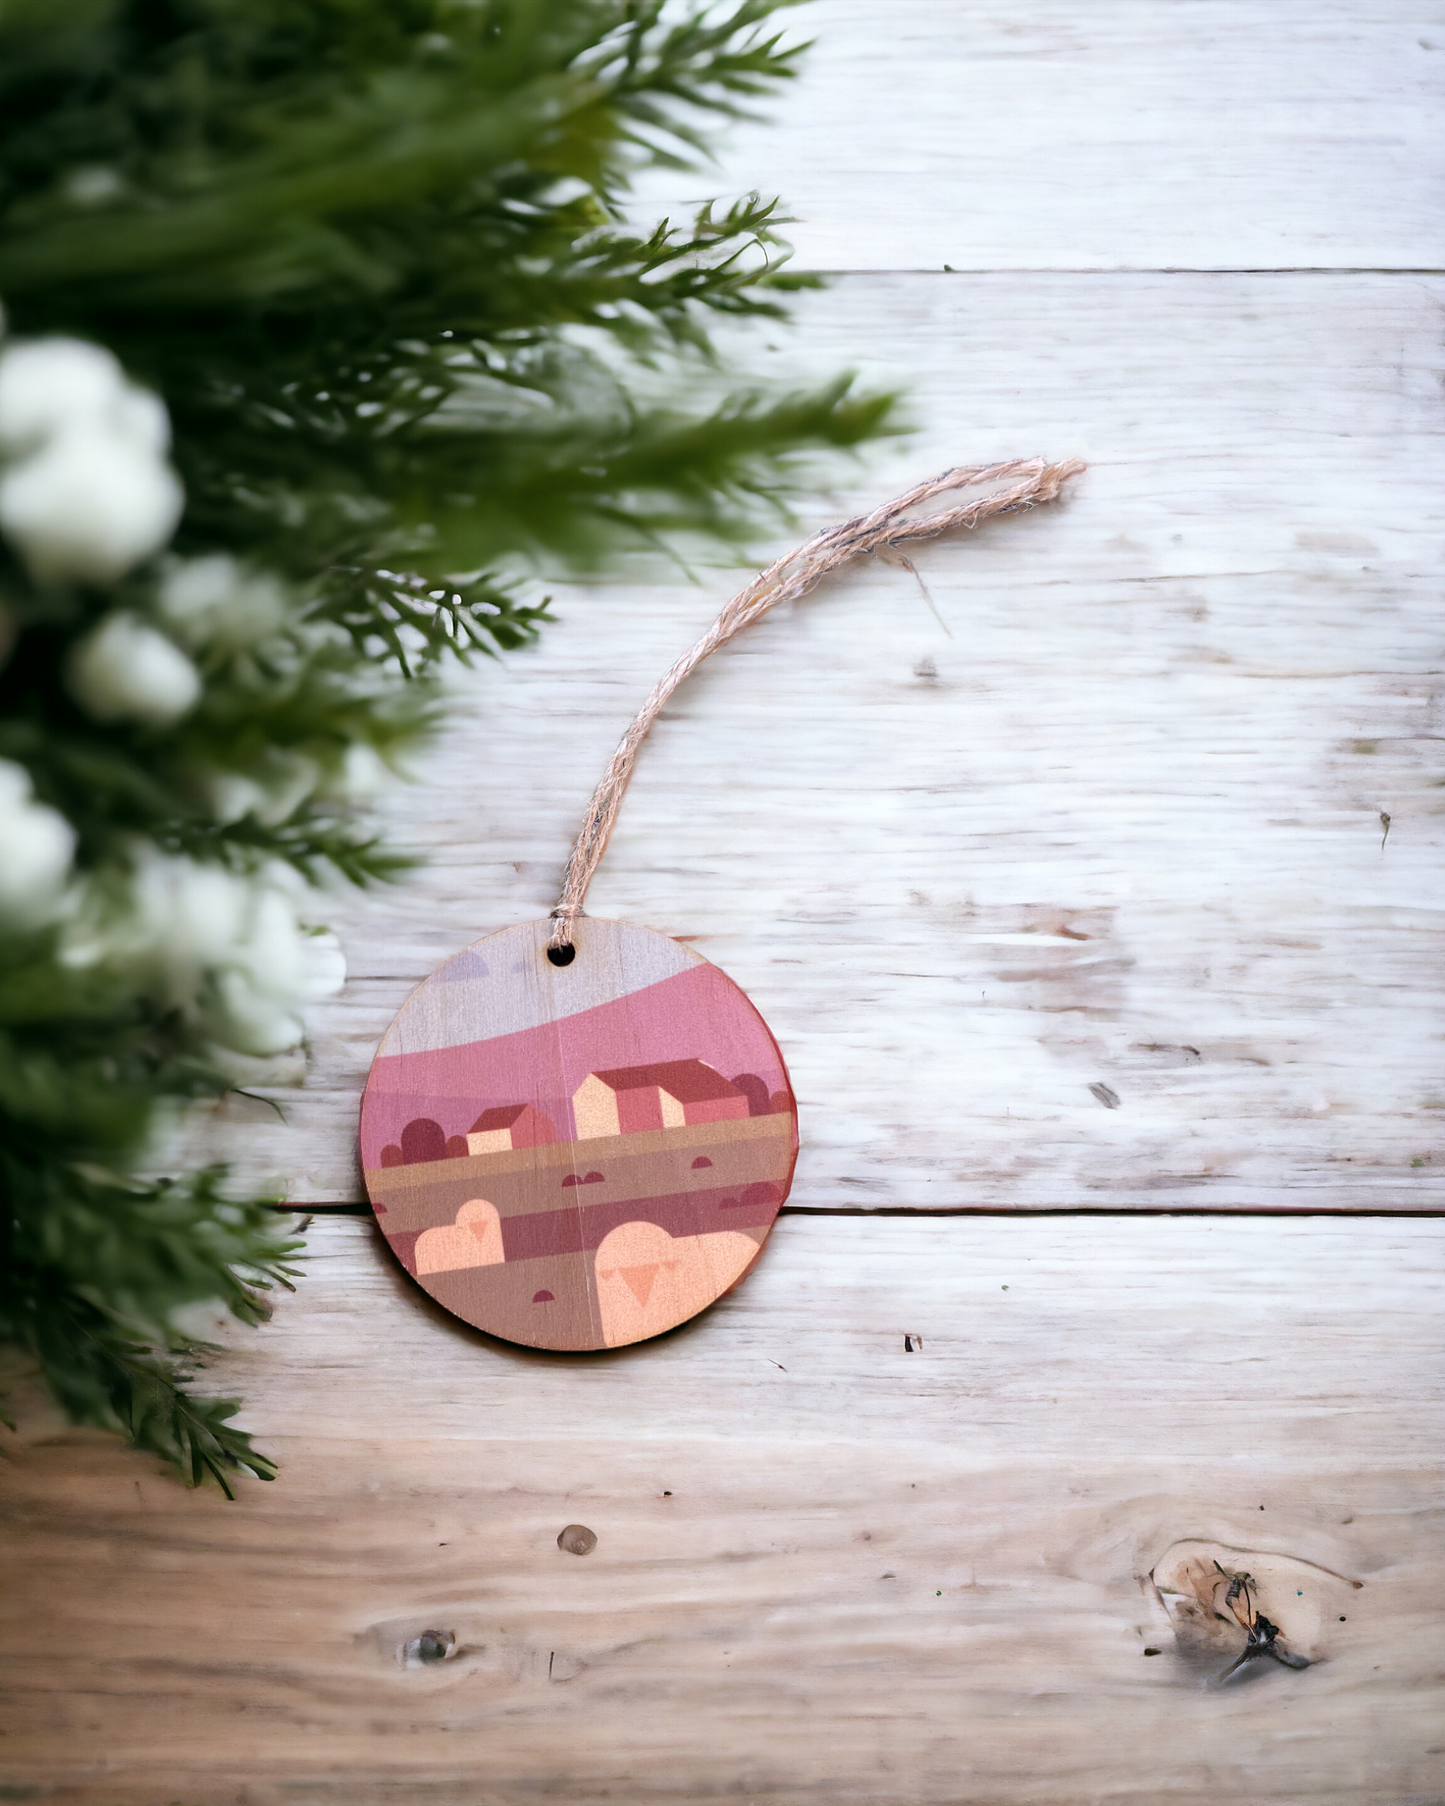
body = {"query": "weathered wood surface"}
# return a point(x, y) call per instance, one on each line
point(1114, 821)
point(827, 1569)
point(874, 1529)
point(1122, 134)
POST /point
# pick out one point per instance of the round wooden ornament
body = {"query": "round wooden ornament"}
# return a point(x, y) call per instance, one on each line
point(583, 1155)
point(577, 1134)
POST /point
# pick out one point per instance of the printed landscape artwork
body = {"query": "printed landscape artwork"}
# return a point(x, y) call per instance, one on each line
point(580, 1156)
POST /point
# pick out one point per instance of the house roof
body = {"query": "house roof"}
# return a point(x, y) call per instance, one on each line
point(501, 1117)
point(689, 1081)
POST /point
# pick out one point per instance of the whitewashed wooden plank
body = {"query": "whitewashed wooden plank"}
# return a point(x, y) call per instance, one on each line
point(1165, 716)
point(1108, 134)
point(827, 1570)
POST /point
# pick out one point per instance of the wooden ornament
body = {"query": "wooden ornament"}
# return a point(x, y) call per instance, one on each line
point(578, 1155)
point(577, 1134)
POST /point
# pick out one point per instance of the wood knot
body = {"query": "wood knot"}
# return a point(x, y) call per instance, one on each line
point(1246, 1612)
point(427, 1647)
point(577, 1539)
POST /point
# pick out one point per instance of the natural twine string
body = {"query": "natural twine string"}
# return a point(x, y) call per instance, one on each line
point(882, 534)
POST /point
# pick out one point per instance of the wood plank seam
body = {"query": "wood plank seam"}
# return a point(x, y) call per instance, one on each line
point(996, 1210)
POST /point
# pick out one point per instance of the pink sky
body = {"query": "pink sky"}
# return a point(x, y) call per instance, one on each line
point(698, 1014)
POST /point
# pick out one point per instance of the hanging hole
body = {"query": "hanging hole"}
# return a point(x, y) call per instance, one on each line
point(562, 956)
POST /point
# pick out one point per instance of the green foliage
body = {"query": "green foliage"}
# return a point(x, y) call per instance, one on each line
point(374, 260)
point(370, 256)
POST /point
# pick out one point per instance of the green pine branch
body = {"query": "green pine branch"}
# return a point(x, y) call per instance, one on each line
point(376, 263)
point(105, 1380)
point(92, 1283)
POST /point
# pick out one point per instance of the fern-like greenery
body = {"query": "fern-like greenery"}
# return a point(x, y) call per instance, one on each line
point(373, 259)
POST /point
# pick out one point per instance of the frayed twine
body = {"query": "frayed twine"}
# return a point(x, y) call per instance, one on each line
point(1029, 481)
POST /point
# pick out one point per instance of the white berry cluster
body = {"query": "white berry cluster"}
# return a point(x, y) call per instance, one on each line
point(228, 951)
point(86, 495)
point(88, 492)
point(36, 846)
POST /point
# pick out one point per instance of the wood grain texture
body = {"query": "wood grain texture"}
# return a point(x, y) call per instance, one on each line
point(1080, 900)
point(827, 1569)
point(1108, 830)
point(1121, 134)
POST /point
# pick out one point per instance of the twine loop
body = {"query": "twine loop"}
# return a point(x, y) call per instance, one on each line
point(1028, 482)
